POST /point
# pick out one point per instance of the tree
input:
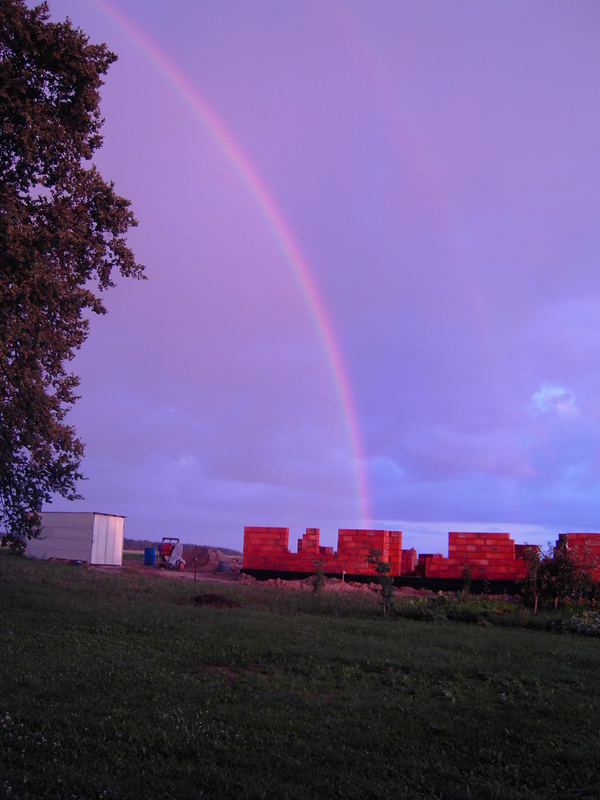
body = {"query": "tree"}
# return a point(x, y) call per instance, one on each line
point(562, 572)
point(382, 568)
point(319, 579)
point(536, 580)
point(585, 564)
point(558, 574)
point(467, 577)
point(62, 238)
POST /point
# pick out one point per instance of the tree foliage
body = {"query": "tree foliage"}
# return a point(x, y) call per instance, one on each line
point(382, 568)
point(319, 579)
point(62, 239)
point(558, 575)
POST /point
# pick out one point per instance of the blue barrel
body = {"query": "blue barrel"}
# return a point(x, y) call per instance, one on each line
point(149, 556)
point(223, 566)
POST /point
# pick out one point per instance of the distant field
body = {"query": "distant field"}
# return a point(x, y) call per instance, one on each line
point(118, 686)
point(133, 555)
point(138, 545)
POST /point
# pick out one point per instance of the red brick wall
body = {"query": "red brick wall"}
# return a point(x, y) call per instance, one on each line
point(354, 547)
point(424, 561)
point(267, 548)
point(523, 550)
point(395, 552)
point(309, 543)
point(409, 561)
point(488, 555)
point(492, 556)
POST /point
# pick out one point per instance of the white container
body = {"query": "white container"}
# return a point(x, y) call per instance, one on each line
point(80, 535)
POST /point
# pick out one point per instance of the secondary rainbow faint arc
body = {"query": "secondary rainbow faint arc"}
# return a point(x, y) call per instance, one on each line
point(277, 224)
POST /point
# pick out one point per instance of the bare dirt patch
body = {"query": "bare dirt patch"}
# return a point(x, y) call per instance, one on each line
point(227, 674)
point(336, 585)
point(209, 559)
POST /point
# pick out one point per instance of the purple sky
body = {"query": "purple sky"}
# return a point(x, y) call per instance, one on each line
point(438, 165)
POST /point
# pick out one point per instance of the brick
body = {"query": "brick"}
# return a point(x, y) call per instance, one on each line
point(491, 555)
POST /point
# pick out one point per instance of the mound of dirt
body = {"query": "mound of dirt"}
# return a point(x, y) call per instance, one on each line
point(329, 584)
point(409, 591)
point(199, 554)
point(214, 600)
point(209, 559)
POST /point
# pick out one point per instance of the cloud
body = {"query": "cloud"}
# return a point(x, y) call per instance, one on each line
point(434, 452)
point(555, 399)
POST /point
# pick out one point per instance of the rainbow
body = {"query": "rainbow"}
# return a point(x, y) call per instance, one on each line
point(277, 224)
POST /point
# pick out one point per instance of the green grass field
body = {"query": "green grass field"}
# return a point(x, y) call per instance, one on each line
point(116, 686)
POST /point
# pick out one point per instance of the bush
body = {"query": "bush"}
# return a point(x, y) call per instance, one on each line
point(586, 623)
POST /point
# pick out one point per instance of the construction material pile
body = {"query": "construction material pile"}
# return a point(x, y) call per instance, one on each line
point(209, 559)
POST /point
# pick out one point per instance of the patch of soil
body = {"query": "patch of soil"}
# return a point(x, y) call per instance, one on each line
point(209, 559)
point(231, 675)
point(329, 584)
point(214, 600)
point(227, 674)
point(200, 554)
point(409, 591)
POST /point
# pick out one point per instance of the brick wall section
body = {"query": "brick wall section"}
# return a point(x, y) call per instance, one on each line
point(524, 550)
point(354, 547)
point(408, 562)
point(423, 562)
point(309, 543)
point(267, 548)
point(585, 549)
point(490, 556)
point(395, 552)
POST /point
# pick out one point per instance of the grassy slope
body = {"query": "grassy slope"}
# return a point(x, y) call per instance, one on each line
point(111, 688)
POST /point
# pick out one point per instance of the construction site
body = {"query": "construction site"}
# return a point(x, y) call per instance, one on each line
point(483, 558)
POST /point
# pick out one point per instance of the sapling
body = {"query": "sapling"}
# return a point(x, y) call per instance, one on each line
point(319, 579)
point(382, 568)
